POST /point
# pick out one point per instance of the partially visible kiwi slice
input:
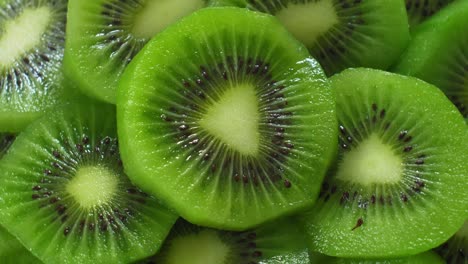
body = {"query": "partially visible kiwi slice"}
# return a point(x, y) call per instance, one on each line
point(103, 36)
point(13, 252)
point(232, 126)
point(455, 250)
point(279, 242)
point(420, 10)
point(344, 33)
point(427, 257)
point(438, 53)
point(64, 194)
point(400, 184)
point(32, 37)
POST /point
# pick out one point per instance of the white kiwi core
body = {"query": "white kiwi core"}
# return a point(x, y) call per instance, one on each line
point(156, 15)
point(308, 21)
point(371, 162)
point(93, 186)
point(22, 34)
point(234, 119)
point(204, 247)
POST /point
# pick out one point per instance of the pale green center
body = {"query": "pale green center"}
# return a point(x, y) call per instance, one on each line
point(203, 248)
point(371, 162)
point(234, 119)
point(156, 15)
point(22, 34)
point(93, 186)
point(308, 21)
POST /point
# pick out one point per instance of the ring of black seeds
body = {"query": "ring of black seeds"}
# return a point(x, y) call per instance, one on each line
point(51, 195)
point(196, 91)
point(411, 184)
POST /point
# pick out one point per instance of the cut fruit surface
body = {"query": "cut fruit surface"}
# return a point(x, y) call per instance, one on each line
point(344, 33)
point(224, 126)
point(32, 35)
point(438, 54)
point(421, 10)
point(65, 196)
point(399, 186)
point(455, 250)
point(279, 242)
point(103, 37)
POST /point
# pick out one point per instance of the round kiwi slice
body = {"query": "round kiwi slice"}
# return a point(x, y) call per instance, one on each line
point(12, 252)
point(32, 37)
point(273, 243)
point(420, 10)
point(103, 37)
point(64, 194)
point(455, 250)
point(400, 184)
point(427, 257)
point(232, 126)
point(438, 54)
point(344, 33)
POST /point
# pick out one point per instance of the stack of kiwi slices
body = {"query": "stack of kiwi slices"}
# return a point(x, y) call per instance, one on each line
point(233, 131)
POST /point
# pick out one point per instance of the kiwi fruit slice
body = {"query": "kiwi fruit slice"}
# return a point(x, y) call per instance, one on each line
point(13, 252)
point(420, 10)
point(344, 33)
point(6, 139)
point(65, 196)
point(32, 40)
point(438, 54)
point(232, 126)
point(399, 187)
point(273, 243)
point(427, 257)
point(455, 250)
point(103, 37)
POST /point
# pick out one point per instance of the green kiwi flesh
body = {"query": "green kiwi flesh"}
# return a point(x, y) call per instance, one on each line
point(455, 250)
point(344, 33)
point(438, 53)
point(400, 184)
point(65, 196)
point(279, 242)
point(225, 127)
point(32, 40)
point(13, 252)
point(427, 257)
point(420, 10)
point(103, 37)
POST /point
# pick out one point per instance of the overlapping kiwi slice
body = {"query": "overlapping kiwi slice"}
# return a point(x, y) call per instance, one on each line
point(400, 184)
point(420, 10)
point(231, 126)
point(64, 194)
point(32, 37)
point(13, 252)
point(427, 257)
point(6, 139)
point(103, 36)
point(438, 53)
point(455, 250)
point(279, 242)
point(344, 33)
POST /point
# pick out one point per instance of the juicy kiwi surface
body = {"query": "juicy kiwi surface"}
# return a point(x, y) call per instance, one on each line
point(231, 125)
point(455, 250)
point(427, 257)
point(279, 242)
point(13, 252)
point(420, 10)
point(103, 36)
point(65, 196)
point(438, 53)
point(399, 187)
point(344, 33)
point(32, 36)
